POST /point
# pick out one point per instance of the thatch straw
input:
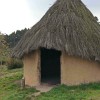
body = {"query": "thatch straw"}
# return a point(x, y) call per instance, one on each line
point(67, 26)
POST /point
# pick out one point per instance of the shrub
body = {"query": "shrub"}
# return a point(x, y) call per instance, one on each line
point(2, 62)
point(14, 63)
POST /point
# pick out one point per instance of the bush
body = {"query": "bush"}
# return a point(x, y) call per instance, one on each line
point(14, 63)
point(2, 62)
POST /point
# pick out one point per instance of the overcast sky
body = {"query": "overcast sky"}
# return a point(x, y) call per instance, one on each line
point(18, 14)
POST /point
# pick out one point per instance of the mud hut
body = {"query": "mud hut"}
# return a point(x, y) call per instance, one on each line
point(63, 47)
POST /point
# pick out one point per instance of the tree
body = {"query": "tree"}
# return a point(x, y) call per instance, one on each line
point(4, 49)
point(14, 37)
point(96, 18)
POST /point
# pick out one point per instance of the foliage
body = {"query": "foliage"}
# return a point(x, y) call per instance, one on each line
point(7, 42)
point(96, 18)
point(14, 37)
point(14, 63)
point(4, 49)
point(10, 88)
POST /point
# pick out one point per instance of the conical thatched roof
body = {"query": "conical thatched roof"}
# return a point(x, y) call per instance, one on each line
point(67, 26)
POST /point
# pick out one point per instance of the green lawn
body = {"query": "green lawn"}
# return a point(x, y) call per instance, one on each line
point(10, 89)
point(10, 85)
point(82, 92)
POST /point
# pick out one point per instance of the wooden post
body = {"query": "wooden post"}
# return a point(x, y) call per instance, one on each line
point(1, 62)
point(23, 83)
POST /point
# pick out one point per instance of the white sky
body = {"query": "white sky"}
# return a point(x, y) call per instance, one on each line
point(18, 14)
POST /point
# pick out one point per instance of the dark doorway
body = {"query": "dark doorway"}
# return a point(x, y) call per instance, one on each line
point(50, 66)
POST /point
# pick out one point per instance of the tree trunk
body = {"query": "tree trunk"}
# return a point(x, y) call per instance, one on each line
point(23, 83)
point(1, 62)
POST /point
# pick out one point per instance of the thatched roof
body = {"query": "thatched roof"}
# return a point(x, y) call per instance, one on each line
point(67, 26)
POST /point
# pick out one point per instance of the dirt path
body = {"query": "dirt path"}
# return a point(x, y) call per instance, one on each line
point(43, 88)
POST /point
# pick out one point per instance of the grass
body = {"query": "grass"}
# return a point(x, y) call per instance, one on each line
point(10, 85)
point(10, 89)
point(63, 92)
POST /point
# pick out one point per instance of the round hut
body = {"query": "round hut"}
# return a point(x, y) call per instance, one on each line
point(63, 47)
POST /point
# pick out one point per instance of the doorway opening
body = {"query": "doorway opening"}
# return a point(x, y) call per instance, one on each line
point(50, 66)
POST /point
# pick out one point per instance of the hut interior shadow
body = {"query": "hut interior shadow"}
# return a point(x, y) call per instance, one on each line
point(50, 66)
